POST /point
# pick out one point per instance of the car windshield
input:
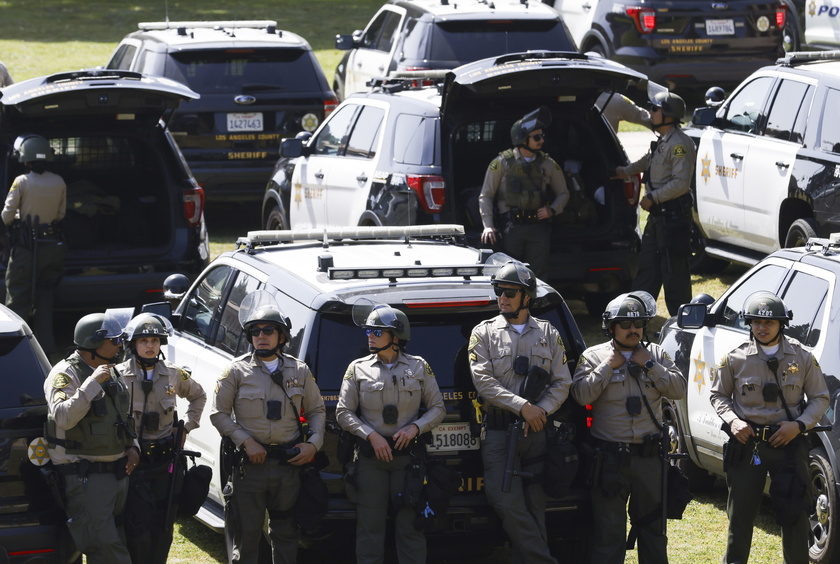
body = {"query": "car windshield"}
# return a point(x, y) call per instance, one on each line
point(467, 41)
point(244, 70)
point(22, 379)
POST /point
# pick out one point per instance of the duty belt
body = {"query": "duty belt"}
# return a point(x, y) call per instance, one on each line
point(520, 216)
point(156, 452)
point(498, 419)
point(633, 449)
point(279, 451)
point(92, 468)
point(764, 432)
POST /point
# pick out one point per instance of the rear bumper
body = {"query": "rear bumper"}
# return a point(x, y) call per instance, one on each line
point(50, 544)
point(694, 71)
point(233, 183)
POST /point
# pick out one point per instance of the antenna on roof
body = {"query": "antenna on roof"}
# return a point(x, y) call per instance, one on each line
point(166, 9)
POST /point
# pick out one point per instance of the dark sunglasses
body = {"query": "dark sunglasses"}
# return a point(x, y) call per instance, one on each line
point(637, 323)
point(376, 332)
point(508, 292)
point(255, 331)
point(116, 341)
point(537, 136)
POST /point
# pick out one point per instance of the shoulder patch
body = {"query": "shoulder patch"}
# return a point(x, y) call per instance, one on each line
point(722, 361)
point(185, 374)
point(679, 151)
point(60, 380)
point(817, 364)
point(473, 342)
point(429, 369)
point(351, 371)
point(495, 164)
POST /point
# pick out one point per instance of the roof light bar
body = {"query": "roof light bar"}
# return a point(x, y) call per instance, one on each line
point(392, 273)
point(258, 24)
point(375, 232)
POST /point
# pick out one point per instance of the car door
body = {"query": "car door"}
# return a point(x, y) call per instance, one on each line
point(578, 15)
point(721, 157)
point(372, 58)
point(768, 169)
point(313, 174)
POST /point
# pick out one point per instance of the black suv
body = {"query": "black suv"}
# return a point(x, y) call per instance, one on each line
point(681, 43)
point(31, 524)
point(407, 154)
point(257, 84)
point(316, 277)
point(134, 212)
point(411, 35)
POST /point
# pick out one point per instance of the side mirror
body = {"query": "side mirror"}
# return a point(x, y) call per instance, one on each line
point(344, 42)
point(704, 116)
point(691, 316)
point(291, 147)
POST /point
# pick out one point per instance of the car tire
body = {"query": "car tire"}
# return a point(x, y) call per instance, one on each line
point(823, 523)
point(276, 220)
point(800, 231)
point(699, 480)
point(700, 262)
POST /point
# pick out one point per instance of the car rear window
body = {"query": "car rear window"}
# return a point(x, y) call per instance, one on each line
point(244, 70)
point(23, 376)
point(472, 40)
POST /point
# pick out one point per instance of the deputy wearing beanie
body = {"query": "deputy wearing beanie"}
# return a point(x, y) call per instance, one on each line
point(769, 391)
point(258, 403)
point(527, 189)
point(155, 383)
point(91, 437)
point(625, 380)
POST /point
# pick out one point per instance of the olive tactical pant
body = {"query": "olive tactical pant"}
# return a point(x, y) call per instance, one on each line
point(152, 546)
point(664, 266)
point(378, 483)
point(270, 486)
point(522, 510)
point(530, 243)
point(93, 507)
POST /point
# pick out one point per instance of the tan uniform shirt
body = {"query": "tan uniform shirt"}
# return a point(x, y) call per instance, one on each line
point(606, 390)
point(621, 108)
point(168, 381)
point(742, 373)
point(5, 77)
point(43, 195)
point(493, 346)
point(243, 391)
point(671, 166)
point(69, 395)
point(552, 179)
point(369, 385)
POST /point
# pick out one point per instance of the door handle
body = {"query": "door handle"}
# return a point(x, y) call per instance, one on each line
point(781, 164)
point(362, 178)
point(586, 7)
point(319, 175)
point(736, 156)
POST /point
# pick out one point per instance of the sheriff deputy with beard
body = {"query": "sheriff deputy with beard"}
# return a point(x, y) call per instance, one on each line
point(258, 403)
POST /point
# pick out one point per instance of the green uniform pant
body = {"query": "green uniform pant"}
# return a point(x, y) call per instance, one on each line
point(530, 243)
point(378, 483)
point(639, 479)
point(19, 282)
point(271, 487)
point(522, 510)
point(152, 546)
point(94, 506)
point(745, 481)
point(664, 264)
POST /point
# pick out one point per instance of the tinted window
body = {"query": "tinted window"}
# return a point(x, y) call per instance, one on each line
point(23, 376)
point(415, 140)
point(230, 337)
point(744, 111)
point(380, 33)
point(123, 57)
point(203, 300)
point(467, 41)
point(805, 296)
point(785, 109)
point(333, 136)
point(244, 70)
point(830, 127)
point(768, 277)
point(416, 42)
point(365, 136)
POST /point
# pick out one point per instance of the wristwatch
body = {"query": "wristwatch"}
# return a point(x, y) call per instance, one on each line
point(802, 428)
point(650, 364)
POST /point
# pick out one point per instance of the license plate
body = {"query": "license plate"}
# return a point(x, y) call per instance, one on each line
point(448, 437)
point(245, 122)
point(720, 27)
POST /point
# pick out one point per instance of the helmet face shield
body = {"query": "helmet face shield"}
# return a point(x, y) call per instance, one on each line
point(375, 315)
point(261, 307)
point(632, 305)
point(114, 322)
point(148, 325)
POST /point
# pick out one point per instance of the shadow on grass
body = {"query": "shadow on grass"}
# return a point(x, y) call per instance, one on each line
point(197, 543)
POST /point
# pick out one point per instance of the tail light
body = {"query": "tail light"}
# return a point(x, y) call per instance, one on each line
point(781, 16)
point(644, 18)
point(193, 206)
point(632, 187)
point(431, 191)
point(589, 416)
point(420, 82)
point(330, 104)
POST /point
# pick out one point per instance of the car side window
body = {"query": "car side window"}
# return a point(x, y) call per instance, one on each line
point(414, 140)
point(334, 136)
point(769, 277)
point(787, 105)
point(365, 135)
point(744, 110)
point(203, 300)
point(805, 296)
point(380, 33)
point(830, 126)
point(123, 57)
point(230, 337)
point(389, 32)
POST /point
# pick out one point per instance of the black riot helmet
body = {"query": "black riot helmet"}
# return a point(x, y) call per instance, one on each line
point(766, 305)
point(373, 315)
point(261, 307)
point(672, 106)
point(538, 119)
point(517, 274)
point(632, 305)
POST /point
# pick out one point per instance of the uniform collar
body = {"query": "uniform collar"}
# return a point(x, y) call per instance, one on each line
point(399, 360)
point(503, 322)
point(785, 348)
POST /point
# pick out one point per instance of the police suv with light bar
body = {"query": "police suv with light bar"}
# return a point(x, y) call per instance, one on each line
point(316, 276)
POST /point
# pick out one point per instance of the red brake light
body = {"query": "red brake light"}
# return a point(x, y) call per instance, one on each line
point(632, 187)
point(193, 206)
point(781, 16)
point(589, 416)
point(644, 18)
point(431, 191)
point(330, 104)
